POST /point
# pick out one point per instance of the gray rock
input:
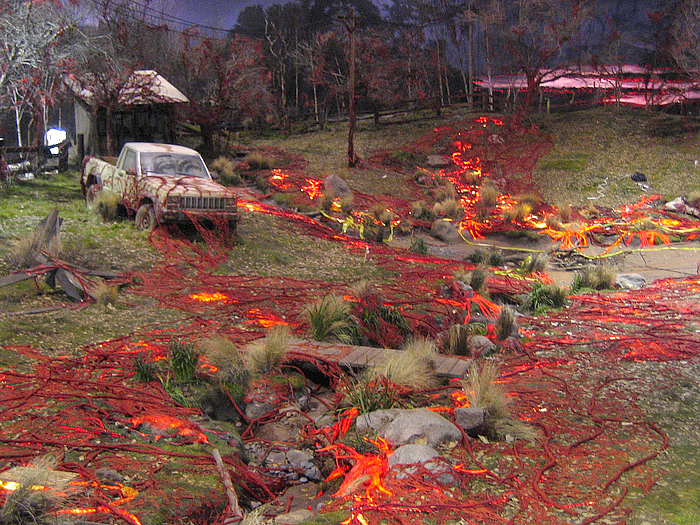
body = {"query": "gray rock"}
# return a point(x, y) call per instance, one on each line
point(336, 185)
point(445, 231)
point(402, 463)
point(630, 281)
point(411, 454)
point(377, 420)
point(469, 417)
point(297, 458)
point(479, 345)
point(257, 409)
point(422, 426)
point(438, 161)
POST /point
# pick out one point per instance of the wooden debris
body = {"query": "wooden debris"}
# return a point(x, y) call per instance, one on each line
point(236, 511)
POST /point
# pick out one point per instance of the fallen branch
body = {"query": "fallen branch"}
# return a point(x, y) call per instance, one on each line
point(236, 512)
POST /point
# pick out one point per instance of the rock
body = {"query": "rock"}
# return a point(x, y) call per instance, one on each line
point(479, 345)
point(469, 418)
point(293, 518)
point(411, 454)
point(297, 458)
point(402, 463)
point(257, 409)
point(422, 426)
point(445, 231)
point(377, 420)
point(336, 185)
point(438, 161)
point(630, 281)
point(638, 177)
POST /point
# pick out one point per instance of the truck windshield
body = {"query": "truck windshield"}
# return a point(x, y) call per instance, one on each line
point(175, 164)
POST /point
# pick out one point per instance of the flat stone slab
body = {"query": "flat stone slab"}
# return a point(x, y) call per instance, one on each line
point(360, 357)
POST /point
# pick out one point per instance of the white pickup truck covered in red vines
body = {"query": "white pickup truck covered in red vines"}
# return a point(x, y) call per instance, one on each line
point(160, 183)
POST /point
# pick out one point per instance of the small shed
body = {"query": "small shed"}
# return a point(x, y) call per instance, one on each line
point(145, 112)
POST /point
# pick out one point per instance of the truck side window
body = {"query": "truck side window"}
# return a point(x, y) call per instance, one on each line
point(129, 161)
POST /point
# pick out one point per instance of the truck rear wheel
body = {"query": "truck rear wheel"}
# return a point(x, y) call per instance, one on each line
point(146, 217)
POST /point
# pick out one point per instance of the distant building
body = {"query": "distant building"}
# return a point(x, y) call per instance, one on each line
point(145, 113)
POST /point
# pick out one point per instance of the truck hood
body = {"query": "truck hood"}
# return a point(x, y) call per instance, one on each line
point(163, 186)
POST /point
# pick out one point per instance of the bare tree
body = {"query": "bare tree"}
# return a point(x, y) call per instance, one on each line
point(36, 40)
point(541, 37)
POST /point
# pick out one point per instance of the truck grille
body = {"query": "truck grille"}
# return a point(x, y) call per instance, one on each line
point(204, 203)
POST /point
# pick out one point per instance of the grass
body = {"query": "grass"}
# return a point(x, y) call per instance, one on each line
point(267, 354)
point(184, 359)
point(329, 319)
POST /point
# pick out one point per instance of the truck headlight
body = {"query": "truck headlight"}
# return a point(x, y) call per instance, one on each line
point(172, 202)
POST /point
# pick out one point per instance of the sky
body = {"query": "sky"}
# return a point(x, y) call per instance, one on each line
point(215, 13)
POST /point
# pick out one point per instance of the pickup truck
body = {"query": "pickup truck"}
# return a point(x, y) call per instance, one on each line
point(159, 183)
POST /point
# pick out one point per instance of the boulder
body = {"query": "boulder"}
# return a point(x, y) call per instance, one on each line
point(418, 425)
point(336, 185)
point(421, 426)
point(403, 463)
point(445, 231)
point(469, 418)
point(479, 345)
point(630, 281)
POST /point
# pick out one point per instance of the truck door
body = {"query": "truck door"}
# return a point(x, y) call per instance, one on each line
point(126, 173)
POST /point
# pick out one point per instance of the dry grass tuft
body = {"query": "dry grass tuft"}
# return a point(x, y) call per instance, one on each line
point(506, 324)
point(225, 356)
point(267, 354)
point(329, 319)
point(27, 505)
point(412, 368)
point(450, 208)
point(488, 194)
point(483, 391)
point(105, 294)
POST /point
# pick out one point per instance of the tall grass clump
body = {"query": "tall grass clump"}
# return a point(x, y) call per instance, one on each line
point(267, 354)
point(412, 367)
point(107, 205)
point(184, 359)
point(257, 161)
point(223, 354)
point(449, 208)
point(329, 319)
point(477, 279)
point(543, 296)
point(105, 294)
point(145, 370)
point(455, 340)
point(369, 394)
point(598, 277)
point(534, 263)
point(483, 391)
point(488, 194)
point(506, 324)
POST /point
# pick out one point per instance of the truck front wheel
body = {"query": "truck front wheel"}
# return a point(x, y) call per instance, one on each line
point(146, 217)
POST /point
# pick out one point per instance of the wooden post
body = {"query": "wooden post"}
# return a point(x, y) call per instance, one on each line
point(350, 23)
